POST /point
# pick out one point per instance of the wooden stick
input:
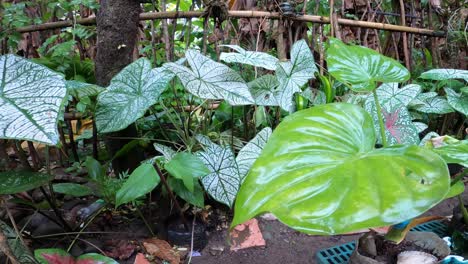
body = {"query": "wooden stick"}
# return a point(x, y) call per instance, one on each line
point(242, 14)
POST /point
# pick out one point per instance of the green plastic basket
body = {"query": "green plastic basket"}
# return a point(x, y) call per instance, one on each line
point(340, 254)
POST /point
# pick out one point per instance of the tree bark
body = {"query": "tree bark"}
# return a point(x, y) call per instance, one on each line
point(117, 29)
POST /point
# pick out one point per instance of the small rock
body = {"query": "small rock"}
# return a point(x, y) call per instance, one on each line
point(216, 250)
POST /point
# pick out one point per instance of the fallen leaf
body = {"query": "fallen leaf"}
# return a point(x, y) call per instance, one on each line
point(119, 249)
point(162, 250)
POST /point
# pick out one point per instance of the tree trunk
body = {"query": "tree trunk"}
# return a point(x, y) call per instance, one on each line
point(117, 29)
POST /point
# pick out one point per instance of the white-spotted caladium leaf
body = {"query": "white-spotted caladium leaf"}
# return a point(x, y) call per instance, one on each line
point(459, 101)
point(399, 128)
point(251, 151)
point(434, 105)
point(31, 97)
point(292, 75)
point(445, 74)
point(209, 79)
point(224, 180)
point(130, 93)
point(79, 89)
point(265, 90)
point(254, 58)
point(391, 94)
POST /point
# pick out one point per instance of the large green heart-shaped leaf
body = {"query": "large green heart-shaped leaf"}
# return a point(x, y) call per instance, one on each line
point(254, 58)
point(209, 79)
point(130, 94)
point(445, 74)
point(21, 181)
point(292, 75)
point(319, 173)
point(361, 67)
point(224, 180)
point(458, 101)
point(31, 97)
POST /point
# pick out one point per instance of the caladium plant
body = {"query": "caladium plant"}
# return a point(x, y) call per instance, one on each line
point(60, 256)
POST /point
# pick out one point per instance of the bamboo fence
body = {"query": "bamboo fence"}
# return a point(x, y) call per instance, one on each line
point(244, 14)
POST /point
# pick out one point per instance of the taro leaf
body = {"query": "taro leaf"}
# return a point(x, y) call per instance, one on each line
point(224, 180)
point(72, 189)
point(142, 181)
point(391, 95)
point(361, 67)
point(459, 102)
point(130, 93)
point(445, 74)
point(31, 98)
point(186, 167)
point(21, 181)
point(435, 105)
point(420, 127)
point(399, 129)
point(319, 173)
point(254, 58)
point(211, 80)
point(166, 151)
point(93, 258)
point(53, 256)
point(20, 251)
point(264, 90)
point(292, 75)
point(80, 89)
point(195, 197)
point(250, 152)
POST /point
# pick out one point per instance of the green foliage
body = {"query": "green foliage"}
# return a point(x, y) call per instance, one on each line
point(18, 249)
point(319, 173)
point(362, 68)
point(60, 256)
point(31, 98)
point(12, 182)
point(142, 181)
point(72, 189)
point(186, 167)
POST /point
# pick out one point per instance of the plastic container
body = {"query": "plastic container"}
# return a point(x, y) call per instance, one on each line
point(340, 254)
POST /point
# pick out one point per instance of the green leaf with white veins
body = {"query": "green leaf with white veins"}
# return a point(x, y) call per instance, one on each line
point(254, 58)
point(389, 93)
point(458, 101)
point(292, 75)
point(130, 93)
point(421, 98)
point(264, 90)
point(224, 180)
point(80, 89)
point(445, 74)
point(209, 79)
point(31, 97)
point(435, 105)
point(251, 151)
point(361, 67)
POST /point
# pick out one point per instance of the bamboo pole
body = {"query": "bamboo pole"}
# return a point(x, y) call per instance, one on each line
point(243, 14)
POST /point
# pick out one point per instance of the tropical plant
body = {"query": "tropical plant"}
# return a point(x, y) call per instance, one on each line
point(56, 256)
point(320, 172)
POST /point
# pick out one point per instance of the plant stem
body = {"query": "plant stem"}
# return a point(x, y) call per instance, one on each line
point(144, 221)
point(463, 210)
point(84, 227)
point(381, 121)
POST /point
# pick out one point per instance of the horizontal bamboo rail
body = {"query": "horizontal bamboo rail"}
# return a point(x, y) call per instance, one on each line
point(243, 14)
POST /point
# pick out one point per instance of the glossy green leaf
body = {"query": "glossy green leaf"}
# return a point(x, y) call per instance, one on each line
point(362, 68)
point(251, 151)
point(292, 75)
point(445, 74)
point(459, 102)
point(31, 98)
point(452, 150)
point(265, 90)
point(195, 197)
point(186, 167)
point(12, 182)
point(129, 95)
point(319, 173)
point(254, 58)
point(209, 79)
point(456, 189)
point(73, 189)
point(224, 180)
point(142, 181)
point(80, 89)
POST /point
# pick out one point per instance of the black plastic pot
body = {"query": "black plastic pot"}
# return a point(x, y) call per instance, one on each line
point(178, 234)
